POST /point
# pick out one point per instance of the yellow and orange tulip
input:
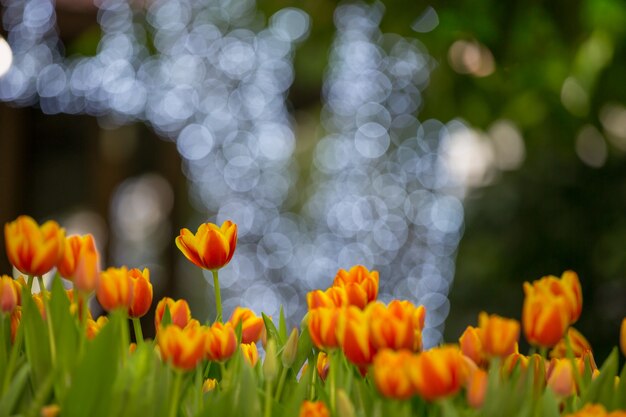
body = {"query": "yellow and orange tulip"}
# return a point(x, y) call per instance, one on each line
point(360, 284)
point(87, 272)
point(568, 287)
point(393, 326)
point(354, 336)
point(8, 295)
point(114, 289)
point(477, 388)
point(209, 384)
point(439, 372)
point(34, 249)
point(499, 335)
point(545, 318)
point(250, 353)
point(252, 326)
point(94, 326)
point(390, 375)
point(332, 297)
point(323, 365)
point(472, 346)
point(140, 292)
point(220, 342)
point(313, 409)
point(322, 324)
point(183, 348)
point(211, 247)
point(560, 377)
point(16, 318)
point(579, 344)
point(179, 312)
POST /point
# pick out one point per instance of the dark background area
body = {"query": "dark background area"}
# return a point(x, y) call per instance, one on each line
point(554, 212)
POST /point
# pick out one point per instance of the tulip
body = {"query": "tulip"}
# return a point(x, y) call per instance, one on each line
point(313, 409)
point(290, 350)
point(390, 375)
point(87, 270)
point(19, 283)
point(270, 364)
point(76, 305)
point(472, 346)
point(322, 323)
point(252, 326)
point(8, 295)
point(114, 289)
point(568, 287)
point(545, 318)
point(179, 312)
point(141, 292)
point(51, 410)
point(392, 326)
point(499, 335)
point(250, 353)
point(94, 326)
point(477, 388)
point(323, 365)
point(33, 249)
point(354, 337)
point(220, 342)
point(212, 247)
point(622, 337)
point(209, 384)
point(16, 318)
point(579, 344)
point(591, 410)
point(332, 297)
point(560, 376)
point(38, 299)
point(438, 372)
point(360, 284)
point(183, 348)
point(69, 262)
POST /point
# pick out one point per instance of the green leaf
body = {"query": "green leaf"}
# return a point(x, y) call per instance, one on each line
point(13, 394)
point(619, 401)
point(271, 329)
point(65, 328)
point(601, 389)
point(305, 347)
point(282, 326)
point(549, 405)
point(92, 382)
point(36, 341)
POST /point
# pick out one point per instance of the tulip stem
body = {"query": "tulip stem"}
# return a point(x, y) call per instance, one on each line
point(178, 377)
point(313, 368)
point(46, 305)
point(268, 399)
point(29, 283)
point(138, 332)
point(15, 350)
point(281, 383)
point(218, 296)
point(83, 309)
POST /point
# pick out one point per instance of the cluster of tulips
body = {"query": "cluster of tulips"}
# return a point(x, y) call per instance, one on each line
point(352, 356)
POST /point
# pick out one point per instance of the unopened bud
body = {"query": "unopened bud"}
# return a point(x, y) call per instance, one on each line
point(270, 365)
point(291, 349)
point(344, 405)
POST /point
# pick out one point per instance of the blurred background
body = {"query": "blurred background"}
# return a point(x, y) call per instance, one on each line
point(458, 149)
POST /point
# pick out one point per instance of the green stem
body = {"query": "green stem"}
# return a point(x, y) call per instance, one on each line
point(268, 399)
point(218, 296)
point(82, 301)
point(138, 332)
point(29, 283)
point(124, 331)
point(178, 378)
point(281, 383)
point(331, 380)
point(46, 305)
point(15, 350)
point(313, 368)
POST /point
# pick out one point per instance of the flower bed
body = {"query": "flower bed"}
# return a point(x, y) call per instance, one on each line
point(351, 356)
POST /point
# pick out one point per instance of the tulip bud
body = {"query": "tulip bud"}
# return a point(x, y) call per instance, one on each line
point(87, 269)
point(291, 349)
point(141, 292)
point(499, 335)
point(344, 405)
point(323, 365)
point(8, 295)
point(179, 312)
point(313, 409)
point(560, 377)
point(209, 384)
point(51, 410)
point(477, 388)
point(250, 353)
point(252, 326)
point(472, 346)
point(114, 289)
point(622, 337)
point(270, 365)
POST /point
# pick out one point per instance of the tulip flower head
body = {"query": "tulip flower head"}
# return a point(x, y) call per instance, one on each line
point(622, 337)
point(322, 323)
point(579, 344)
point(140, 292)
point(114, 289)
point(250, 353)
point(252, 326)
point(499, 335)
point(332, 297)
point(567, 287)
point(183, 348)
point(211, 247)
point(560, 377)
point(33, 249)
point(87, 272)
point(472, 346)
point(209, 385)
point(323, 365)
point(94, 326)
point(8, 295)
point(545, 318)
point(179, 312)
point(438, 372)
point(220, 342)
point(360, 284)
point(313, 409)
point(390, 373)
point(353, 334)
point(477, 388)
point(393, 326)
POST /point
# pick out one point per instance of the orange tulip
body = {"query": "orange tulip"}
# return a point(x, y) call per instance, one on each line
point(477, 388)
point(220, 342)
point(250, 353)
point(19, 283)
point(8, 295)
point(94, 326)
point(472, 346)
point(38, 299)
point(212, 247)
point(545, 318)
point(390, 375)
point(499, 335)
point(579, 344)
point(332, 297)
point(567, 287)
point(392, 326)
point(87, 270)
point(183, 348)
point(560, 376)
point(438, 372)
point(114, 289)
point(622, 337)
point(252, 326)
point(67, 264)
point(591, 410)
point(16, 318)
point(323, 365)
point(33, 249)
point(179, 312)
point(76, 305)
point(354, 336)
point(360, 284)
point(322, 324)
point(140, 292)
point(313, 409)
